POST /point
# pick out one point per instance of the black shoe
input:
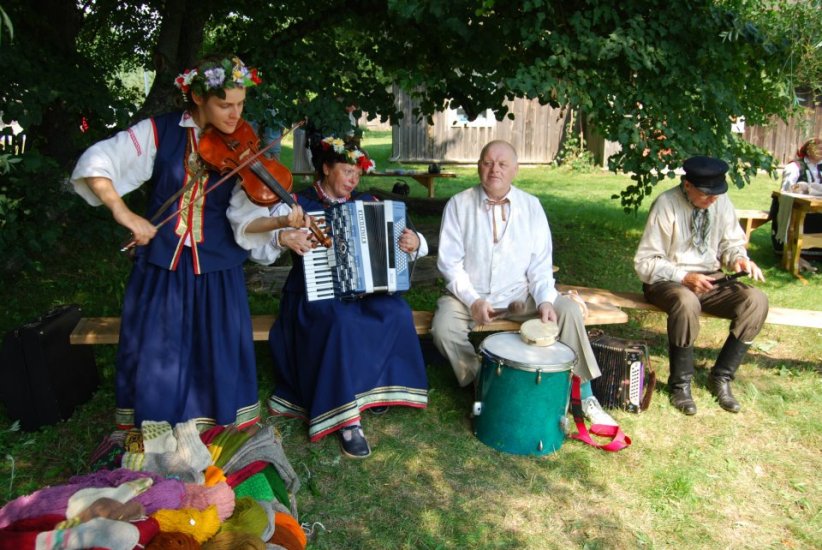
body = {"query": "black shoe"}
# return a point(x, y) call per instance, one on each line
point(378, 410)
point(681, 400)
point(721, 389)
point(353, 442)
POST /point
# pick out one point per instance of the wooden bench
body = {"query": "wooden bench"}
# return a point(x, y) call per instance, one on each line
point(634, 300)
point(750, 220)
point(106, 330)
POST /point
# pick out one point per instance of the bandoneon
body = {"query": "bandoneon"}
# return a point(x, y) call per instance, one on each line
point(364, 258)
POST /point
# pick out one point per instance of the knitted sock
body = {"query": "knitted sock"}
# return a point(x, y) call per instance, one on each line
point(84, 498)
point(97, 533)
point(190, 447)
point(585, 390)
point(158, 437)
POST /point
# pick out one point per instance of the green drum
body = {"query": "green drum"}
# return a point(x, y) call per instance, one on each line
point(522, 394)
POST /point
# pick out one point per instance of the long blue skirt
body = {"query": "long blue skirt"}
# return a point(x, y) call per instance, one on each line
point(334, 359)
point(186, 348)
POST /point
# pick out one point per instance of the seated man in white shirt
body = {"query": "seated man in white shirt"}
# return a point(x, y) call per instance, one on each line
point(692, 233)
point(495, 253)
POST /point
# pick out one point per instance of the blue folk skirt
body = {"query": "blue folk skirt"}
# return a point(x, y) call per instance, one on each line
point(186, 347)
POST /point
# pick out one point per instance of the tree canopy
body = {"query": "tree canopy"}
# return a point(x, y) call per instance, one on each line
point(661, 78)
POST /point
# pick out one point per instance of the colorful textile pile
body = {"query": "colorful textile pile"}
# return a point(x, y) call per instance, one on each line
point(162, 487)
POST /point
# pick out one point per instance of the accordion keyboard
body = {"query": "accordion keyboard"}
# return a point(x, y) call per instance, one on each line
point(318, 264)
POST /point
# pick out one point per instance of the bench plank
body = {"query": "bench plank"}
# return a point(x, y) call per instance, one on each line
point(634, 300)
point(106, 330)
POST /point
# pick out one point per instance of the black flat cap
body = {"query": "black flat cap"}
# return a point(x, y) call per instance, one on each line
point(707, 174)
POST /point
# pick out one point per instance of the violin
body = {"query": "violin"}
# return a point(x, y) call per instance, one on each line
point(266, 181)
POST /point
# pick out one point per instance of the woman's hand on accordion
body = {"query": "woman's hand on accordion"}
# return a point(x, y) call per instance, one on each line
point(409, 241)
point(300, 241)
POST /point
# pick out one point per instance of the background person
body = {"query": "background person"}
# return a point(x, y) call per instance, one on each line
point(801, 176)
point(692, 233)
point(186, 349)
point(334, 359)
point(495, 250)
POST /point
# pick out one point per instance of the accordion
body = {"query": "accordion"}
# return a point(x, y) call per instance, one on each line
point(627, 380)
point(364, 257)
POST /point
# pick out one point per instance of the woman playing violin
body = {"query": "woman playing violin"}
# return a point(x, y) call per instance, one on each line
point(334, 359)
point(186, 349)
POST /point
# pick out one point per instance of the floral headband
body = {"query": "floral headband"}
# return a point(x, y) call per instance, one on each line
point(352, 156)
point(211, 75)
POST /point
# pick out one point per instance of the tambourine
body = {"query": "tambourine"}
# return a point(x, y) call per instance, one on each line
point(536, 333)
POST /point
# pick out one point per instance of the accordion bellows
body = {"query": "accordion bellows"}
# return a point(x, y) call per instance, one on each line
point(627, 380)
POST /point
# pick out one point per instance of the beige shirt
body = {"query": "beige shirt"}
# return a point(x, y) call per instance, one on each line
point(666, 251)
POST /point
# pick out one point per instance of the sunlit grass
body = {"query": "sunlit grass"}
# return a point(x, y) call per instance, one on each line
point(715, 480)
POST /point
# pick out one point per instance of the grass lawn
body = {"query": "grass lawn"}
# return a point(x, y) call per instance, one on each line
point(715, 480)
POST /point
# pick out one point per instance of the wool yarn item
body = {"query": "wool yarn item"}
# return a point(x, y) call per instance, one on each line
point(201, 497)
point(97, 533)
point(202, 525)
point(256, 487)
point(249, 517)
point(173, 541)
point(106, 508)
point(265, 445)
point(213, 476)
point(84, 498)
point(269, 524)
point(226, 444)
point(288, 533)
point(246, 472)
point(234, 541)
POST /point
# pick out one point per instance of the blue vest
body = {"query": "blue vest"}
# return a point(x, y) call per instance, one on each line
point(204, 222)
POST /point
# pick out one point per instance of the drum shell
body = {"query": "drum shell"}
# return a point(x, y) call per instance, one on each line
point(522, 405)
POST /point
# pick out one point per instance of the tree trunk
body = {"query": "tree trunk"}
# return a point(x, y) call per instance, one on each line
point(179, 46)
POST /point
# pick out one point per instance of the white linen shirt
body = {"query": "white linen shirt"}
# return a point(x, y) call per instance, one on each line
point(666, 252)
point(518, 265)
point(127, 159)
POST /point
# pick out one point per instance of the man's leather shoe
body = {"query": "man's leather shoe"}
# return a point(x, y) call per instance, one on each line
point(681, 399)
point(721, 389)
point(353, 442)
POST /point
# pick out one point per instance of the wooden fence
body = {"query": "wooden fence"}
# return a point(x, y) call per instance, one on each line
point(782, 139)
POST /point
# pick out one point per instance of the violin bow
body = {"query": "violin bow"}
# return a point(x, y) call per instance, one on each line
point(234, 171)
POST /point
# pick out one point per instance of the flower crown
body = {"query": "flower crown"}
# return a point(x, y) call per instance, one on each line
point(211, 75)
point(352, 156)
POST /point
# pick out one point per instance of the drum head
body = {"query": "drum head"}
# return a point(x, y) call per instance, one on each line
point(508, 348)
point(537, 333)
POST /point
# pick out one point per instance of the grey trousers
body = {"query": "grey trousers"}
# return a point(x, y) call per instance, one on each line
point(745, 306)
point(452, 324)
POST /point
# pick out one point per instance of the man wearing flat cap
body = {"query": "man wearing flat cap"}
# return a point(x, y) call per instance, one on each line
point(691, 235)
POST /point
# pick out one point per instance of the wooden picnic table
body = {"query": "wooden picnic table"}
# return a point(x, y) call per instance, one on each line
point(797, 239)
point(427, 179)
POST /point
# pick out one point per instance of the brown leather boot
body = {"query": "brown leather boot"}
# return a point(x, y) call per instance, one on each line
point(720, 377)
point(679, 381)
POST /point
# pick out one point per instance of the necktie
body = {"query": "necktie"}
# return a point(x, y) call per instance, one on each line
point(489, 205)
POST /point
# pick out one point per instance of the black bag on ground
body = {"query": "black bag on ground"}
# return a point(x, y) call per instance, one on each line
point(627, 380)
point(43, 378)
